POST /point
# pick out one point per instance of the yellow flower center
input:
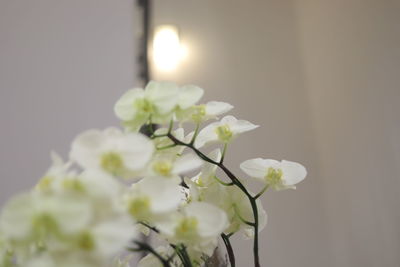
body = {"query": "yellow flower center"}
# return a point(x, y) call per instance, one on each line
point(224, 133)
point(139, 208)
point(187, 228)
point(163, 167)
point(198, 113)
point(45, 183)
point(112, 163)
point(73, 185)
point(144, 106)
point(274, 176)
point(199, 181)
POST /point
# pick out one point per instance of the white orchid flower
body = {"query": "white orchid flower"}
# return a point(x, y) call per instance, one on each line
point(110, 237)
point(233, 201)
point(170, 165)
point(197, 224)
point(75, 224)
point(152, 197)
point(240, 212)
point(30, 216)
point(277, 174)
point(207, 174)
point(188, 96)
point(223, 131)
point(58, 170)
point(203, 112)
point(60, 180)
point(97, 244)
point(117, 153)
point(98, 188)
point(157, 101)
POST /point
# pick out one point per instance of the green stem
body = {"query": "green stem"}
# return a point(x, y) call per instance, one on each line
point(222, 182)
point(150, 227)
point(223, 153)
point(196, 131)
point(182, 254)
point(166, 147)
point(240, 216)
point(262, 191)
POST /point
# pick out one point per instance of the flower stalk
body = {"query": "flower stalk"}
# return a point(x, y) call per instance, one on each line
point(237, 183)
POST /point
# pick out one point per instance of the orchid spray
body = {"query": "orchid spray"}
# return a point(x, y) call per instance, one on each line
point(118, 183)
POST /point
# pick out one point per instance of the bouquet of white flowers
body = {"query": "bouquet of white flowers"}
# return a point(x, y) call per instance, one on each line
point(90, 210)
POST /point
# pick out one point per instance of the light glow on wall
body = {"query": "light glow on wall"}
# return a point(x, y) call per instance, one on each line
point(168, 51)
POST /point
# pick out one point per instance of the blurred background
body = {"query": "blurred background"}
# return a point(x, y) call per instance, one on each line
point(321, 77)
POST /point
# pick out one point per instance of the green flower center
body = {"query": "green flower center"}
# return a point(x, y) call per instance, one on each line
point(112, 163)
point(43, 225)
point(224, 133)
point(86, 241)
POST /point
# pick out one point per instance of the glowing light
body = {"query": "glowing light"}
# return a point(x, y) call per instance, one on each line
point(167, 48)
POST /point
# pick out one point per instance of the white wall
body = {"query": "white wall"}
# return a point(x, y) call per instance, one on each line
point(63, 64)
point(352, 71)
point(247, 53)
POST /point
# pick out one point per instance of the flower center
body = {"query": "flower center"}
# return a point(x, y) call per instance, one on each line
point(274, 176)
point(198, 113)
point(112, 163)
point(86, 241)
point(139, 207)
point(73, 185)
point(44, 224)
point(163, 167)
point(187, 228)
point(45, 183)
point(144, 105)
point(224, 133)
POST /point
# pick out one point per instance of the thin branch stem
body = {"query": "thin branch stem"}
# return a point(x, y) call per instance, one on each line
point(145, 247)
point(150, 227)
point(166, 147)
point(236, 182)
point(241, 218)
point(196, 131)
point(171, 125)
point(222, 182)
point(223, 153)
point(182, 254)
point(261, 192)
point(229, 249)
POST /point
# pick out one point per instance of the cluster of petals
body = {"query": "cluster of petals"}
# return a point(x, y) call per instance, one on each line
point(77, 216)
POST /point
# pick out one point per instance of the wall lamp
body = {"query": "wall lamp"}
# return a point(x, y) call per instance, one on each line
point(167, 49)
